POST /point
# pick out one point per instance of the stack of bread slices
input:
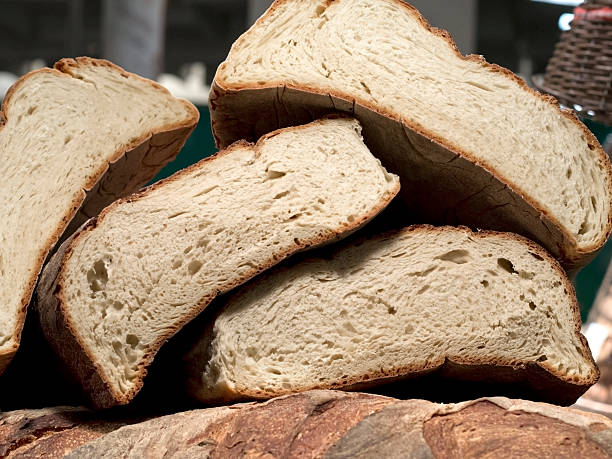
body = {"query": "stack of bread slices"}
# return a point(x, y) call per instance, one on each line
point(325, 112)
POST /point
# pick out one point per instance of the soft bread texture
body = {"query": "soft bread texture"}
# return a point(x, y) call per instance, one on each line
point(72, 140)
point(333, 424)
point(471, 142)
point(148, 264)
point(400, 305)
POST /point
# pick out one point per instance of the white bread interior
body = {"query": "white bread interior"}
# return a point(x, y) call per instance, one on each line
point(392, 306)
point(152, 262)
point(382, 54)
point(61, 130)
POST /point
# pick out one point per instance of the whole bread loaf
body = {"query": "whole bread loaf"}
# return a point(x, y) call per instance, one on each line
point(50, 432)
point(72, 140)
point(328, 424)
point(406, 305)
point(149, 263)
point(472, 143)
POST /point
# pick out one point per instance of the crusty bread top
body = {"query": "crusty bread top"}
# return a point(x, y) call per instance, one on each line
point(328, 424)
point(60, 129)
point(382, 55)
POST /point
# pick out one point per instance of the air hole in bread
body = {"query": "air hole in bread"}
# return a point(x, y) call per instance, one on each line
point(506, 265)
point(456, 256)
point(132, 340)
point(536, 256)
point(194, 266)
point(282, 195)
point(97, 276)
point(584, 228)
point(273, 175)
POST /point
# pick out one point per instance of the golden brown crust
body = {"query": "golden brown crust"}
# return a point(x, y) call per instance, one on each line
point(52, 432)
point(62, 69)
point(572, 257)
point(333, 424)
point(98, 389)
point(527, 379)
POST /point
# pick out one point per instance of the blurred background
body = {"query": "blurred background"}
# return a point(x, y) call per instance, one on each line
point(181, 42)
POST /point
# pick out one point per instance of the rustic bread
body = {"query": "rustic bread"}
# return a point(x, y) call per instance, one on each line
point(73, 139)
point(51, 432)
point(328, 424)
point(482, 306)
point(471, 142)
point(149, 263)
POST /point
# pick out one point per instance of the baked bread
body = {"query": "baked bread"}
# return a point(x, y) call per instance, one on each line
point(472, 144)
point(72, 140)
point(51, 432)
point(149, 263)
point(329, 424)
point(489, 307)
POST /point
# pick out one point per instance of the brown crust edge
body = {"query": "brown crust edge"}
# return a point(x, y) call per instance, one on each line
point(222, 88)
point(98, 389)
point(532, 372)
point(62, 69)
point(302, 425)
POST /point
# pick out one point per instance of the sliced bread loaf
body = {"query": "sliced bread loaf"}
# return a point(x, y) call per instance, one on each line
point(72, 140)
point(471, 142)
point(148, 264)
point(490, 307)
point(334, 424)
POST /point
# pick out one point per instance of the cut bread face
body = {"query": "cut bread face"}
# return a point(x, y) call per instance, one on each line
point(476, 306)
point(72, 140)
point(472, 143)
point(150, 263)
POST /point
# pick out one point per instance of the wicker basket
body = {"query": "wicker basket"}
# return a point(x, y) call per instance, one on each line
point(579, 74)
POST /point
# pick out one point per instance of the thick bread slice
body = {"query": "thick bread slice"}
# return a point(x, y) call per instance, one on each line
point(477, 306)
point(148, 264)
point(471, 142)
point(72, 140)
point(333, 424)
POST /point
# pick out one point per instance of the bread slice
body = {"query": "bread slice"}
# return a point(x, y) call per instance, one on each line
point(150, 263)
point(72, 140)
point(477, 306)
point(473, 144)
point(334, 425)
